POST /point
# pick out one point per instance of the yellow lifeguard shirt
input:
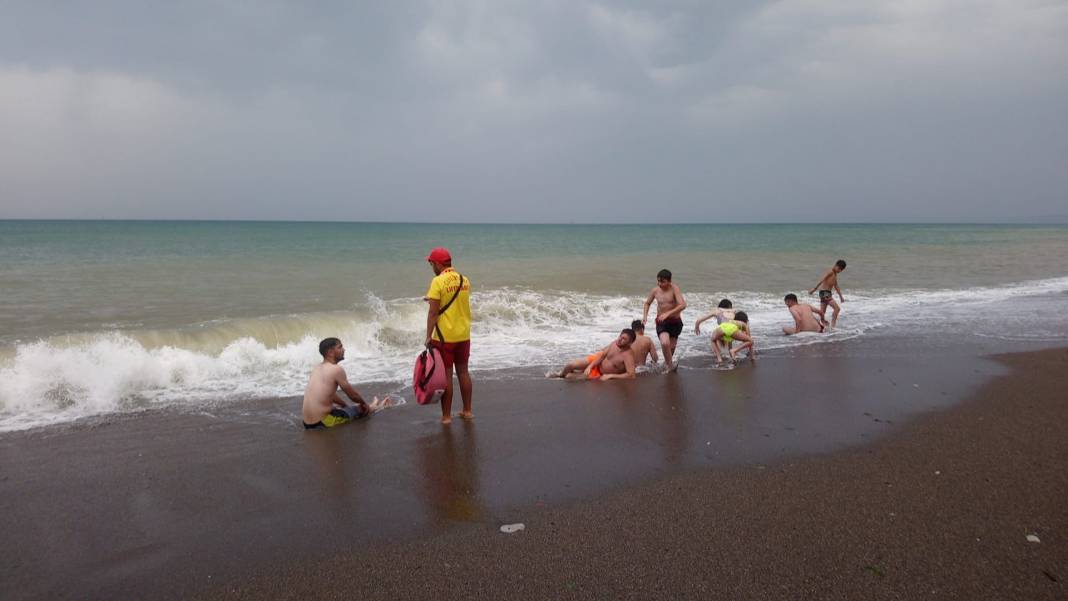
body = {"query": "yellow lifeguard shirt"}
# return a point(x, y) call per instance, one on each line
point(455, 323)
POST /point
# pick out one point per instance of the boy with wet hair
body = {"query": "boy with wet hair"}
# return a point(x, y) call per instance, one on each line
point(827, 283)
point(643, 346)
point(669, 307)
point(804, 317)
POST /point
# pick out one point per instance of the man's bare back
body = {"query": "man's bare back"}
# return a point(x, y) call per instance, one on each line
point(643, 348)
point(804, 317)
point(320, 395)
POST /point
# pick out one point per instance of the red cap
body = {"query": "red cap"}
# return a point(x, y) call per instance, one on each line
point(439, 255)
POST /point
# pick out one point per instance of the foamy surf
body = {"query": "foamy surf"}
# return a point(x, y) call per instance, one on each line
point(64, 378)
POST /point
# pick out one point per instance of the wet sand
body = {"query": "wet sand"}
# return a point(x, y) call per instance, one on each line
point(762, 482)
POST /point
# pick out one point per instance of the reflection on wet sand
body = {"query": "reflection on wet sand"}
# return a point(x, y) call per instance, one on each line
point(335, 454)
point(448, 462)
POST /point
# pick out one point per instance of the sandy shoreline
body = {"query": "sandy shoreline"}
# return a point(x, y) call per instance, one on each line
point(747, 486)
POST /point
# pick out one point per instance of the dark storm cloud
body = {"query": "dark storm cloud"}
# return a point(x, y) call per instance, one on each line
point(548, 111)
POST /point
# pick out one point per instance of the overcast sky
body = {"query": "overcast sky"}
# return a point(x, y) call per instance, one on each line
point(668, 111)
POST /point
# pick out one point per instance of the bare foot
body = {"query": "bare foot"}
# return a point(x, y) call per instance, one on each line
point(467, 415)
point(446, 419)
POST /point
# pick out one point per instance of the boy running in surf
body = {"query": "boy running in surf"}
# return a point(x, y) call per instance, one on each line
point(827, 283)
point(669, 307)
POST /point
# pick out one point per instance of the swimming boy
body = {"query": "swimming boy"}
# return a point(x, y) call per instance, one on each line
point(643, 346)
point(730, 330)
point(829, 282)
point(669, 307)
point(323, 407)
point(615, 361)
point(804, 317)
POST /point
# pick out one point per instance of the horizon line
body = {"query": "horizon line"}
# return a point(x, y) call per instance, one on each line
point(1050, 220)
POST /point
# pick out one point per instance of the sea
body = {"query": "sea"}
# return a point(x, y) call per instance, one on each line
point(105, 317)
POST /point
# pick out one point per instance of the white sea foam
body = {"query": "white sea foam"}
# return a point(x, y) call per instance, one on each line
point(65, 378)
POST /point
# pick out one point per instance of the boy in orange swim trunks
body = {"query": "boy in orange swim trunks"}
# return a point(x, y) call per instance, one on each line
point(615, 361)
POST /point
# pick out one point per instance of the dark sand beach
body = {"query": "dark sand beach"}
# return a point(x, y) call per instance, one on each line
point(835, 477)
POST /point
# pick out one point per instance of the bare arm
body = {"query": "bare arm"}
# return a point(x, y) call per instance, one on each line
point(822, 280)
point(652, 353)
point(431, 319)
point(679, 307)
point(343, 383)
point(648, 303)
point(697, 324)
point(839, 291)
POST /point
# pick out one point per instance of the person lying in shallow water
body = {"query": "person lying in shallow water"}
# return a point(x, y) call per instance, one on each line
point(615, 361)
point(323, 407)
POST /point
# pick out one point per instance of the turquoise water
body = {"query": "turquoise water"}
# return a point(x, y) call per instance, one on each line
point(113, 316)
point(77, 276)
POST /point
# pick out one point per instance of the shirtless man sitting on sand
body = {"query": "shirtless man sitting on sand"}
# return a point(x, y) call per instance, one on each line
point(804, 317)
point(643, 346)
point(669, 307)
point(323, 407)
point(615, 361)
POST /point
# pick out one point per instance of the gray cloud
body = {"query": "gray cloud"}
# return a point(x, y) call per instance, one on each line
point(556, 111)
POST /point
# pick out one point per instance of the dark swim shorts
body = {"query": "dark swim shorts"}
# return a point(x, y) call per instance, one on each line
point(336, 417)
point(672, 326)
point(826, 296)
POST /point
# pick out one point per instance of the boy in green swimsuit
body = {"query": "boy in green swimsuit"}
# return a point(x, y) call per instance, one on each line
point(729, 331)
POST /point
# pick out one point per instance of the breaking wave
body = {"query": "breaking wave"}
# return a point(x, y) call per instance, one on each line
point(68, 377)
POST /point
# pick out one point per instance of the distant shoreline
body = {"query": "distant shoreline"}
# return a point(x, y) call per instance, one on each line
point(1036, 221)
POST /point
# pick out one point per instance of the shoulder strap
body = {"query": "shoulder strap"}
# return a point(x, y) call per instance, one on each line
point(460, 289)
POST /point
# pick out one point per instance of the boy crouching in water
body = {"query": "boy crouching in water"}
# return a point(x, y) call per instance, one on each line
point(729, 331)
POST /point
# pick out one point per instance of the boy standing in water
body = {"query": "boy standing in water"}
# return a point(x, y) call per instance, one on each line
point(829, 282)
point(669, 306)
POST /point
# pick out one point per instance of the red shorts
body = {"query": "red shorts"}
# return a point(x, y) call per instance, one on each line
point(453, 352)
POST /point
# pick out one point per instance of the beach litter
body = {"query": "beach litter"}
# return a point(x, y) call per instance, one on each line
point(513, 528)
point(1031, 538)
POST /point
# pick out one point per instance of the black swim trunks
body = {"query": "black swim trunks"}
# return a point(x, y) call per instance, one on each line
point(826, 297)
point(672, 326)
point(336, 417)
